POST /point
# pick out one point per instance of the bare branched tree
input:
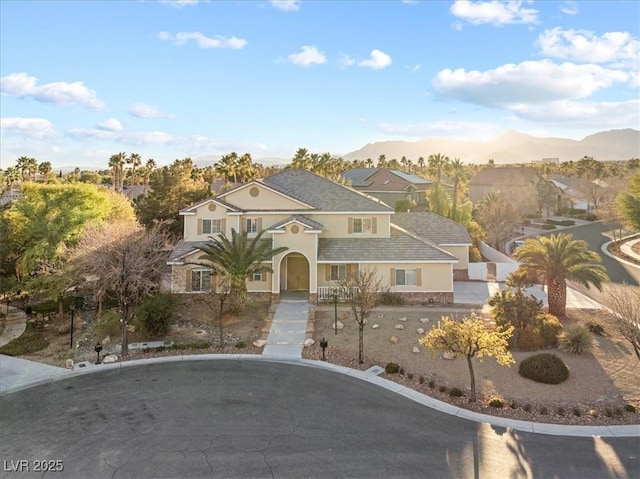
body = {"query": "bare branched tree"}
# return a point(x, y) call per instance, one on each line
point(215, 301)
point(365, 288)
point(124, 260)
point(623, 303)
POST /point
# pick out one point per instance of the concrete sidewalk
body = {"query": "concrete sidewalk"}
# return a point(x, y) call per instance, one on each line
point(15, 324)
point(16, 372)
point(288, 330)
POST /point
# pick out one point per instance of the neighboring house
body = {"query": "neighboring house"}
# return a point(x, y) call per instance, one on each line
point(331, 231)
point(523, 184)
point(389, 186)
point(583, 193)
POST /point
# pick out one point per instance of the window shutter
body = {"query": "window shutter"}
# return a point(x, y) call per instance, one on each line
point(243, 225)
point(264, 277)
point(187, 283)
point(351, 271)
point(374, 225)
point(393, 277)
point(199, 226)
point(259, 224)
point(419, 277)
point(350, 226)
point(327, 272)
point(223, 226)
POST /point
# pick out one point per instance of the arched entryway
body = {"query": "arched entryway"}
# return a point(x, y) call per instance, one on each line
point(294, 273)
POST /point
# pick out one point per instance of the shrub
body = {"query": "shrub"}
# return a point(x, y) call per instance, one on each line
point(529, 339)
point(108, 325)
point(549, 327)
point(432, 383)
point(577, 412)
point(496, 402)
point(401, 371)
point(576, 340)
point(595, 328)
point(544, 410)
point(240, 344)
point(560, 411)
point(513, 405)
point(547, 227)
point(392, 368)
point(421, 379)
point(29, 342)
point(389, 298)
point(630, 408)
point(442, 389)
point(155, 313)
point(618, 412)
point(409, 376)
point(526, 408)
point(455, 392)
point(544, 368)
point(608, 412)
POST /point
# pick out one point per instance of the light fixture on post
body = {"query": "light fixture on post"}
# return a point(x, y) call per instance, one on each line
point(335, 310)
point(72, 308)
point(98, 348)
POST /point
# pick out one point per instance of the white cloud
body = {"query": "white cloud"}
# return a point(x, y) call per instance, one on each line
point(35, 128)
point(449, 129)
point(309, 55)
point(585, 114)
point(494, 12)
point(585, 46)
point(22, 85)
point(346, 60)
point(142, 110)
point(377, 61)
point(531, 81)
point(287, 5)
point(180, 3)
point(203, 41)
point(112, 124)
point(569, 8)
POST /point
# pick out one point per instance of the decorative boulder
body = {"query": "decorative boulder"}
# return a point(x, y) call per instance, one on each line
point(448, 355)
point(415, 350)
point(309, 342)
point(111, 358)
point(106, 341)
point(399, 326)
point(338, 325)
point(403, 319)
point(342, 316)
point(424, 320)
point(68, 364)
point(131, 328)
point(260, 343)
point(420, 330)
point(375, 326)
point(393, 340)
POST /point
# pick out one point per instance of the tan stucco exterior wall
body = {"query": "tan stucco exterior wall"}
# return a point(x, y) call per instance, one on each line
point(460, 252)
point(337, 225)
point(265, 199)
point(300, 242)
point(206, 213)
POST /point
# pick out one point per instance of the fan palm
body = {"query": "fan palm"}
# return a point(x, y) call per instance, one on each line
point(237, 258)
point(557, 259)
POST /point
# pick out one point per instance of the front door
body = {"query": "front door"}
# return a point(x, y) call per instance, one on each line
point(297, 273)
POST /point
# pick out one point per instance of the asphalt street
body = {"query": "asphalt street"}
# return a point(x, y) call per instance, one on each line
point(246, 419)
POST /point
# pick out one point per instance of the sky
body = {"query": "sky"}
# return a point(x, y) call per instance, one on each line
point(83, 80)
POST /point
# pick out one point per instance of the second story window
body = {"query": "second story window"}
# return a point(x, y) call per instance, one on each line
point(210, 227)
point(252, 225)
point(361, 225)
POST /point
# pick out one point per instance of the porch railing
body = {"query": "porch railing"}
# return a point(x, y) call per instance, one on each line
point(326, 293)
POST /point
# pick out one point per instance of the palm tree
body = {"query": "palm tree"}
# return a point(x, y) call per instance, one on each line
point(135, 161)
point(557, 259)
point(12, 175)
point(44, 169)
point(436, 163)
point(116, 163)
point(301, 159)
point(455, 171)
point(228, 166)
point(237, 259)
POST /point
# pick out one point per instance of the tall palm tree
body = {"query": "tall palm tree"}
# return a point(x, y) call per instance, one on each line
point(116, 163)
point(44, 169)
point(301, 159)
point(436, 164)
point(228, 166)
point(237, 258)
point(12, 174)
point(135, 161)
point(456, 172)
point(557, 259)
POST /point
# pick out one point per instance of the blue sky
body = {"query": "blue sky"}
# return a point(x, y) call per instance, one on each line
point(169, 79)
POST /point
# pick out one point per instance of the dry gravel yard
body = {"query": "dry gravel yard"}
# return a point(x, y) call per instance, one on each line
point(599, 387)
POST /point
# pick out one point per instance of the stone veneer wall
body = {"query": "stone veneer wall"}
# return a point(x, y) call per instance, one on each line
point(461, 275)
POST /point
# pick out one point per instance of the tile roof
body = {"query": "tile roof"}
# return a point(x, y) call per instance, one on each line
point(323, 194)
point(399, 247)
point(432, 227)
point(193, 207)
point(183, 249)
point(507, 176)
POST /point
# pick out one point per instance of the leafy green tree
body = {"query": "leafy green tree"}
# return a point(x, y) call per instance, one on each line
point(470, 338)
point(236, 259)
point(556, 259)
point(439, 200)
point(628, 203)
point(172, 188)
point(456, 172)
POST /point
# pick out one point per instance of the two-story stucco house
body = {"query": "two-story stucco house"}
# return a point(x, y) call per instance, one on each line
point(330, 231)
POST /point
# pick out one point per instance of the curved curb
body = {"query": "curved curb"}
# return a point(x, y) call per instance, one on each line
point(514, 424)
point(605, 250)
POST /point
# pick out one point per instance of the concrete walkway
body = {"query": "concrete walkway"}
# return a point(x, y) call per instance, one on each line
point(15, 324)
point(627, 248)
point(288, 330)
point(15, 373)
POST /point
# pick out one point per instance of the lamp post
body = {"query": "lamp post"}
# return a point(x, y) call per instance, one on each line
point(323, 344)
point(72, 308)
point(335, 310)
point(98, 348)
